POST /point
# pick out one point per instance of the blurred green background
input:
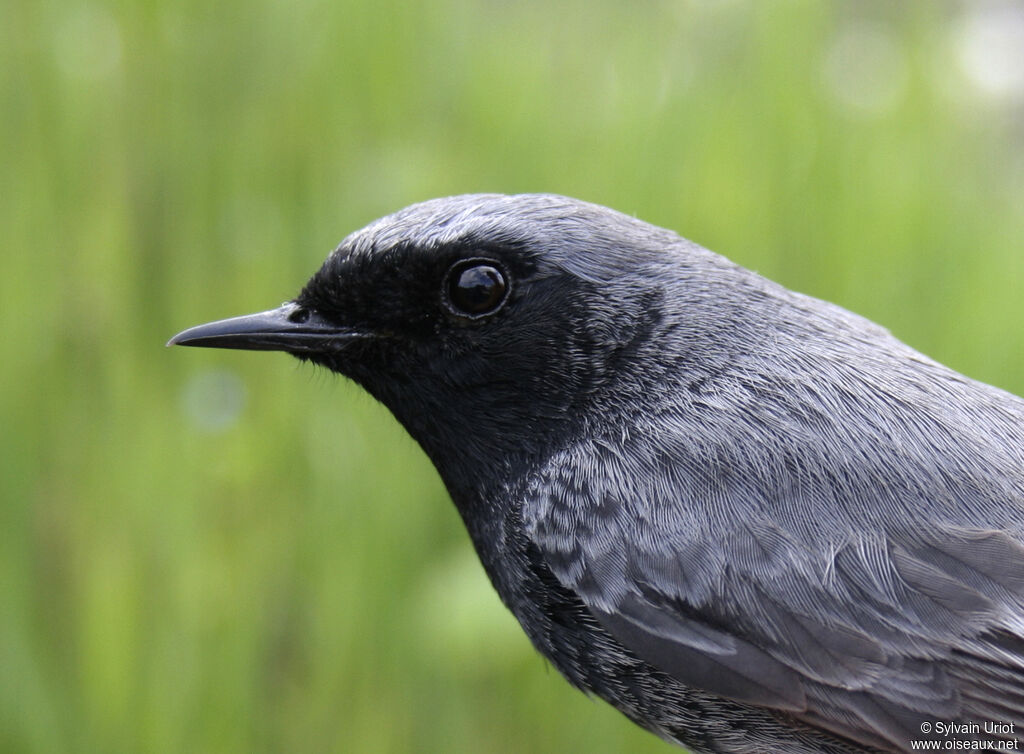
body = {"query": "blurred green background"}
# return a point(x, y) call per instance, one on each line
point(229, 552)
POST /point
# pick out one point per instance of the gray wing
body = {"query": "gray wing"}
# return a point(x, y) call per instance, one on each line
point(782, 581)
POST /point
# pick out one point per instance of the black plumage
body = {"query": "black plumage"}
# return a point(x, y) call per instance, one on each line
point(749, 519)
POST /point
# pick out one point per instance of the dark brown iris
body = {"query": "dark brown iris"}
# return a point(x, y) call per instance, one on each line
point(476, 288)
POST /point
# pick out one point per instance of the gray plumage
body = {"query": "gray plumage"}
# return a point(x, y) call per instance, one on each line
point(747, 518)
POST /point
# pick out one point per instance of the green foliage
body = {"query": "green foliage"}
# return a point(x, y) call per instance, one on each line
point(226, 552)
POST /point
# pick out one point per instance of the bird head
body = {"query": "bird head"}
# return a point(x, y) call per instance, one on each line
point(494, 327)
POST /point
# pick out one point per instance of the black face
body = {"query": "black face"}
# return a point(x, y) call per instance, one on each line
point(466, 341)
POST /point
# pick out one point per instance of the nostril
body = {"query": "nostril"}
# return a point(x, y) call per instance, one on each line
point(299, 315)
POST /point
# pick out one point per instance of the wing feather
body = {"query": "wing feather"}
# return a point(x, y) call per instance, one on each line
point(864, 633)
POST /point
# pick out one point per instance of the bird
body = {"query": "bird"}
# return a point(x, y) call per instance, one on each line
point(748, 519)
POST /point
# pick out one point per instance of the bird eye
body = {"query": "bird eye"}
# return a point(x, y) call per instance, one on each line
point(475, 288)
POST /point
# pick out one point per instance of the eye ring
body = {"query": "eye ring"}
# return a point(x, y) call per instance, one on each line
point(475, 288)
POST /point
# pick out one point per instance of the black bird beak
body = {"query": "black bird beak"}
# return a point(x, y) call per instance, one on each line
point(290, 327)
